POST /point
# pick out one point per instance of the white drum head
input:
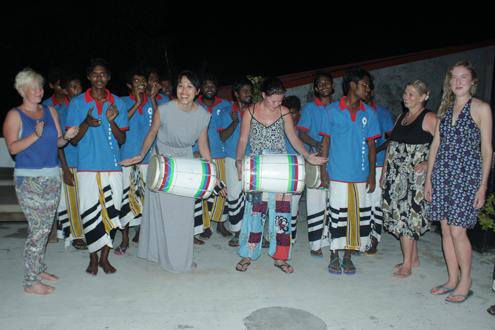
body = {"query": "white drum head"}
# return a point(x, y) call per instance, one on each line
point(155, 173)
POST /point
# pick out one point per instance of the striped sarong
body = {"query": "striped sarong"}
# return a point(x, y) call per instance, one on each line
point(133, 194)
point(235, 196)
point(350, 216)
point(376, 208)
point(69, 225)
point(317, 210)
point(100, 198)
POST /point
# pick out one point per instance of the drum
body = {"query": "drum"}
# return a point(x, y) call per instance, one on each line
point(313, 179)
point(181, 176)
point(273, 173)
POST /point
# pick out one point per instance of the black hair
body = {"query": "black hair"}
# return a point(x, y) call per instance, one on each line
point(135, 71)
point(319, 75)
point(292, 102)
point(94, 62)
point(353, 75)
point(54, 75)
point(272, 85)
point(241, 82)
point(211, 77)
point(191, 76)
point(67, 78)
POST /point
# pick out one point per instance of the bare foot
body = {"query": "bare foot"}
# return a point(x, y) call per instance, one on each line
point(197, 241)
point(402, 272)
point(93, 264)
point(48, 277)
point(107, 267)
point(414, 264)
point(39, 289)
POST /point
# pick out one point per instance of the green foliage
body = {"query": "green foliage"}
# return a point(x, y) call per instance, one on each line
point(486, 215)
point(257, 81)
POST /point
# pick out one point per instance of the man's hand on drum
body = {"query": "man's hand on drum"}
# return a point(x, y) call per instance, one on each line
point(223, 187)
point(313, 159)
point(131, 161)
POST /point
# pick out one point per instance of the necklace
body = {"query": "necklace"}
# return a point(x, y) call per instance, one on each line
point(408, 118)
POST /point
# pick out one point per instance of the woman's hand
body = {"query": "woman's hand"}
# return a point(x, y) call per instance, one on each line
point(382, 178)
point(313, 159)
point(132, 161)
point(421, 167)
point(38, 130)
point(479, 198)
point(427, 191)
point(238, 166)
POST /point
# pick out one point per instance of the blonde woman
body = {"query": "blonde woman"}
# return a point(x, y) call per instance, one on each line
point(458, 169)
point(403, 203)
point(33, 134)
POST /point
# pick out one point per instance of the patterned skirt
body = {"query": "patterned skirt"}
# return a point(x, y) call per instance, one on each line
point(403, 204)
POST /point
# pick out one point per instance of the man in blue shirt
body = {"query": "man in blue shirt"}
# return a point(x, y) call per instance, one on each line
point(386, 125)
point(215, 106)
point(351, 128)
point(309, 131)
point(102, 120)
point(230, 128)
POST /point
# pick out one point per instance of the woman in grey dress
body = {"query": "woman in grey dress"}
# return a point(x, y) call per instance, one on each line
point(167, 226)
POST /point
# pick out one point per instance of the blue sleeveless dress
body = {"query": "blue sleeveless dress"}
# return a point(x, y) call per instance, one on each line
point(457, 170)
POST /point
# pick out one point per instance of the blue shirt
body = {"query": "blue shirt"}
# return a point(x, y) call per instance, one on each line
point(311, 120)
point(139, 126)
point(386, 125)
point(349, 135)
point(219, 105)
point(230, 145)
point(43, 153)
point(98, 150)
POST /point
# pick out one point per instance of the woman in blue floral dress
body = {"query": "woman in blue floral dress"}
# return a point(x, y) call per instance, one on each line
point(458, 169)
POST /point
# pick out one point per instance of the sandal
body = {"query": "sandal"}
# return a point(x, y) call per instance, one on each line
point(348, 266)
point(243, 265)
point(285, 267)
point(79, 244)
point(206, 234)
point(234, 242)
point(491, 310)
point(463, 297)
point(334, 265)
point(440, 290)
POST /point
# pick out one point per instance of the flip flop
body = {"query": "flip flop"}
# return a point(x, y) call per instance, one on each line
point(334, 266)
point(491, 310)
point(285, 267)
point(463, 296)
point(242, 265)
point(234, 242)
point(442, 289)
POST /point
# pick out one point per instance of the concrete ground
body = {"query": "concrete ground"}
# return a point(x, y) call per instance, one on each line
point(215, 296)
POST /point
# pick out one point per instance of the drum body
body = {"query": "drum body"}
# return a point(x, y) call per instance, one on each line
point(313, 176)
point(273, 173)
point(181, 176)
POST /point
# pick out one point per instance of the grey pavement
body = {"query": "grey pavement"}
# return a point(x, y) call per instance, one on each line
point(215, 296)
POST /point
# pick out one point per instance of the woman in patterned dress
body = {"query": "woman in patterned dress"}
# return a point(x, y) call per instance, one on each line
point(458, 169)
point(403, 203)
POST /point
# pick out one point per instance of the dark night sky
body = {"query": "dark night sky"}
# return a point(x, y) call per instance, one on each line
point(43, 38)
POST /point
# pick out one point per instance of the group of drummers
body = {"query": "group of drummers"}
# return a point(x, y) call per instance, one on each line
point(344, 214)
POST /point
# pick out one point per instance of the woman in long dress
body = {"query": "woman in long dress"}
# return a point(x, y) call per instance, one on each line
point(404, 172)
point(167, 226)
